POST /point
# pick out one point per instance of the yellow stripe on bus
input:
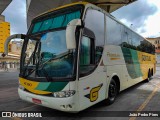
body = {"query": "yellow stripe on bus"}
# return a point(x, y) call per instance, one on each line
point(31, 85)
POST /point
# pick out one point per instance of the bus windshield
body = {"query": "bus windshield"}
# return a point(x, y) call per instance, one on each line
point(46, 54)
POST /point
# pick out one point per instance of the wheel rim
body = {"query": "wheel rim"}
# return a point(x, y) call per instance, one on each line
point(112, 91)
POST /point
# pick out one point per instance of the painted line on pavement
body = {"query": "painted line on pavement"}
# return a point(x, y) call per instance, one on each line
point(143, 105)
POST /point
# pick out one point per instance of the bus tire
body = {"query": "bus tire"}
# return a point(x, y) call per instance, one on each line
point(149, 76)
point(112, 92)
point(152, 72)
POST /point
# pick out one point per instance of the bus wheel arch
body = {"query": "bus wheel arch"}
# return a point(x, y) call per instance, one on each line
point(116, 78)
point(115, 86)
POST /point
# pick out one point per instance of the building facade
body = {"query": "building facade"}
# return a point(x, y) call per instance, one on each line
point(4, 33)
point(156, 42)
point(12, 60)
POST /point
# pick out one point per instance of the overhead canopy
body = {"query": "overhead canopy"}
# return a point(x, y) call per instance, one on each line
point(4, 4)
point(111, 5)
point(35, 7)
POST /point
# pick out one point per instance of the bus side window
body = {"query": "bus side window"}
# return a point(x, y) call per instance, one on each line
point(85, 51)
point(99, 50)
point(94, 30)
point(87, 60)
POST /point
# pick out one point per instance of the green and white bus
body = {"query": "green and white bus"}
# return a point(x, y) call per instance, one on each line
point(81, 55)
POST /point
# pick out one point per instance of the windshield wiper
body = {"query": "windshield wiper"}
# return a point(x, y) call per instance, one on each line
point(46, 75)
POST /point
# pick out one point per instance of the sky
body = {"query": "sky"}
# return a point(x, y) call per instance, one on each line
point(15, 13)
point(143, 16)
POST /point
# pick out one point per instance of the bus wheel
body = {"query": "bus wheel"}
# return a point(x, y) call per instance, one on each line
point(149, 76)
point(152, 72)
point(112, 92)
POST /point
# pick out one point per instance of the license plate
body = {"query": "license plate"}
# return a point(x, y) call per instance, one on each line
point(37, 101)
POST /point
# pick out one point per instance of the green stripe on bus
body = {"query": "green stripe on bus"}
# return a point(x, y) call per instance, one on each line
point(132, 62)
point(136, 63)
point(51, 86)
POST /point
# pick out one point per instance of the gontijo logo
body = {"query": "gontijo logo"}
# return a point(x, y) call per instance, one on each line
point(94, 93)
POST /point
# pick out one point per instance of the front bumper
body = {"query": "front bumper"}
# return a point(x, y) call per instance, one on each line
point(63, 104)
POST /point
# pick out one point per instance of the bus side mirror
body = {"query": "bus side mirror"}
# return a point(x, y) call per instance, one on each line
point(20, 36)
point(70, 33)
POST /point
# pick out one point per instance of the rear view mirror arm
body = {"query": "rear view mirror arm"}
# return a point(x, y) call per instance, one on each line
point(20, 36)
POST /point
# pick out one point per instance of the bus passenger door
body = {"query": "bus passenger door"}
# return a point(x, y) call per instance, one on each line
point(92, 77)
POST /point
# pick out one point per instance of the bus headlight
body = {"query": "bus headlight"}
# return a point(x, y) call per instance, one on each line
point(62, 94)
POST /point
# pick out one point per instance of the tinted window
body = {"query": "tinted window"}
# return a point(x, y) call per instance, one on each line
point(118, 34)
point(92, 42)
point(87, 63)
point(128, 38)
point(136, 40)
point(85, 57)
point(124, 36)
point(113, 30)
point(146, 46)
point(55, 22)
point(95, 21)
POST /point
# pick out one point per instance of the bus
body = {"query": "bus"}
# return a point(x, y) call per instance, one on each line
point(78, 55)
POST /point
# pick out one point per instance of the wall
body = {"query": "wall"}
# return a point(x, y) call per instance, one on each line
point(4, 34)
point(156, 42)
